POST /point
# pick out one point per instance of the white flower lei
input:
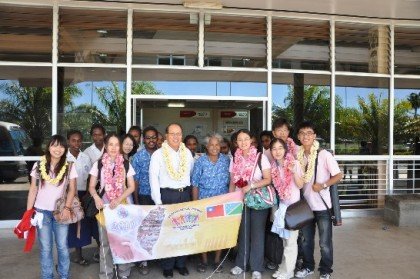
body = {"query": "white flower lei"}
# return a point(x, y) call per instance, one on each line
point(175, 175)
point(309, 173)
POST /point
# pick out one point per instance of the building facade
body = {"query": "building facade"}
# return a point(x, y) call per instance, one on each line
point(215, 66)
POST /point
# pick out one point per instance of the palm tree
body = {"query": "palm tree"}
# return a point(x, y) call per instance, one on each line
point(414, 99)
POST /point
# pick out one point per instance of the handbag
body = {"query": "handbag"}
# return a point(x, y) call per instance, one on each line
point(298, 215)
point(76, 211)
point(88, 202)
point(263, 197)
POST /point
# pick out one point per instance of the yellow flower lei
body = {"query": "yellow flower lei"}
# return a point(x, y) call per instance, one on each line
point(309, 173)
point(182, 164)
point(46, 176)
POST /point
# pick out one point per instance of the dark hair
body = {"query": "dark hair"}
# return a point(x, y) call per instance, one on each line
point(60, 140)
point(245, 131)
point(225, 140)
point(135, 145)
point(97, 126)
point(135, 128)
point(73, 132)
point(150, 128)
point(110, 135)
point(266, 133)
point(282, 142)
point(188, 137)
point(306, 124)
point(167, 127)
point(279, 122)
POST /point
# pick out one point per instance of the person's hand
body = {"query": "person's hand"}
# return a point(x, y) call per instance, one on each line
point(317, 187)
point(99, 203)
point(65, 214)
point(115, 203)
point(292, 166)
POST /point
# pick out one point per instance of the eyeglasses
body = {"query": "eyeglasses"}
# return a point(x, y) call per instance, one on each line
point(243, 140)
point(302, 134)
point(175, 134)
point(149, 138)
point(128, 144)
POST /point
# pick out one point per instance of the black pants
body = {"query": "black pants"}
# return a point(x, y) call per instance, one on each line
point(171, 196)
point(145, 200)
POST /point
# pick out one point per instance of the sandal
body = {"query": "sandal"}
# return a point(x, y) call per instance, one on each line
point(96, 258)
point(80, 261)
point(218, 267)
point(202, 267)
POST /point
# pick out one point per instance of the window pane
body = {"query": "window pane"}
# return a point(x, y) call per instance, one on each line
point(91, 95)
point(407, 50)
point(25, 34)
point(362, 48)
point(362, 118)
point(299, 97)
point(301, 44)
point(165, 38)
point(92, 36)
point(406, 117)
point(193, 82)
point(235, 41)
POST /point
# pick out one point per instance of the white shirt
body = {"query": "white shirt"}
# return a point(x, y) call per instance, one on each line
point(159, 176)
point(83, 166)
point(94, 153)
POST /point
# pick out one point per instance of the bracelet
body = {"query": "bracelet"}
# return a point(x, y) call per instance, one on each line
point(252, 186)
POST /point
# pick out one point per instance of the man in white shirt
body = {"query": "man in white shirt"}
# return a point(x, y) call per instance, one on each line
point(95, 151)
point(170, 170)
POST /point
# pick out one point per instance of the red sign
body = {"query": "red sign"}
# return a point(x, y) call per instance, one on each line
point(187, 113)
point(227, 114)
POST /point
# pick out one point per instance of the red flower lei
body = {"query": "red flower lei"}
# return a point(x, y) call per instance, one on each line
point(243, 167)
point(114, 180)
point(291, 147)
point(283, 184)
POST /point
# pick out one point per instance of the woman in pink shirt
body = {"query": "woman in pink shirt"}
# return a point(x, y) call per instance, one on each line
point(53, 173)
point(286, 174)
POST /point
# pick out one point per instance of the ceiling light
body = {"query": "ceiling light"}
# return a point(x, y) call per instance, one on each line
point(176, 105)
point(203, 4)
point(102, 31)
point(102, 54)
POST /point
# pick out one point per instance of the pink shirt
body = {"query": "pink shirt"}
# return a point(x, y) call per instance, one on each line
point(49, 193)
point(265, 164)
point(295, 192)
point(94, 172)
point(327, 167)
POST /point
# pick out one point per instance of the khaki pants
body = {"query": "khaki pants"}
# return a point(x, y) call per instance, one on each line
point(287, 266)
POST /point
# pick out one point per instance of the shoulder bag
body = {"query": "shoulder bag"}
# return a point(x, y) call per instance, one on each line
point(262, 197)
point(76, 211)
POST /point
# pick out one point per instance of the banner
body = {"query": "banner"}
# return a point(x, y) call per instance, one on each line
point(138, 233)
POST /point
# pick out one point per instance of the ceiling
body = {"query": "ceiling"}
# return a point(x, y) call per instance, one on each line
point(395, 9)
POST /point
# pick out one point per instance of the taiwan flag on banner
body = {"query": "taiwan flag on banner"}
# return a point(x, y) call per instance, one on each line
point(215, 211)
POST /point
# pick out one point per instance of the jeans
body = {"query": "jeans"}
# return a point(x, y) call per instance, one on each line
point(323, 221)
point(49, 228)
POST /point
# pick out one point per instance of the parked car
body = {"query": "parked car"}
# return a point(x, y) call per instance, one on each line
point(13, 142)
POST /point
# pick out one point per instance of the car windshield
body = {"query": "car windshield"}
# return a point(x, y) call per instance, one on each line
point(20, 139)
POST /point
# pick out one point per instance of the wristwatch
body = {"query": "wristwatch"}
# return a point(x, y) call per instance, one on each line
point(324, 185)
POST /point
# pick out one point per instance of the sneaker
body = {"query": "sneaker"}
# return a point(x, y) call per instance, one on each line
point(303, 273)
point(325, 276)
point(236, 270)
point(280, 275)
point(256, 275)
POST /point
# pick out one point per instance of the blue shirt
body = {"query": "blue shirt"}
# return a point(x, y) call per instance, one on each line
point(141, 162)
point(212, 179)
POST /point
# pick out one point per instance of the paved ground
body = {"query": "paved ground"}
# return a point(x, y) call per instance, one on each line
point(363, 248)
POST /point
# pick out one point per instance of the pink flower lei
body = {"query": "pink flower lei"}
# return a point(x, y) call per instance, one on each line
point(283, 184)
point(291, 147)
point(242, 167)
point(114, 180)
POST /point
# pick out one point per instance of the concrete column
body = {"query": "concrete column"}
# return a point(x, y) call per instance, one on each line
point(379, 49)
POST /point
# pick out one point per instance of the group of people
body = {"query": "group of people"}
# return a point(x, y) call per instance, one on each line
point(143, 169)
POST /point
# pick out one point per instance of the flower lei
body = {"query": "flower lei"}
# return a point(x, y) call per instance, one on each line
point(309, 173)
point(283, 184)
point(291, 146)
point(45, 176)
point(175, 175)
point(114, 180)
point(242, 167)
